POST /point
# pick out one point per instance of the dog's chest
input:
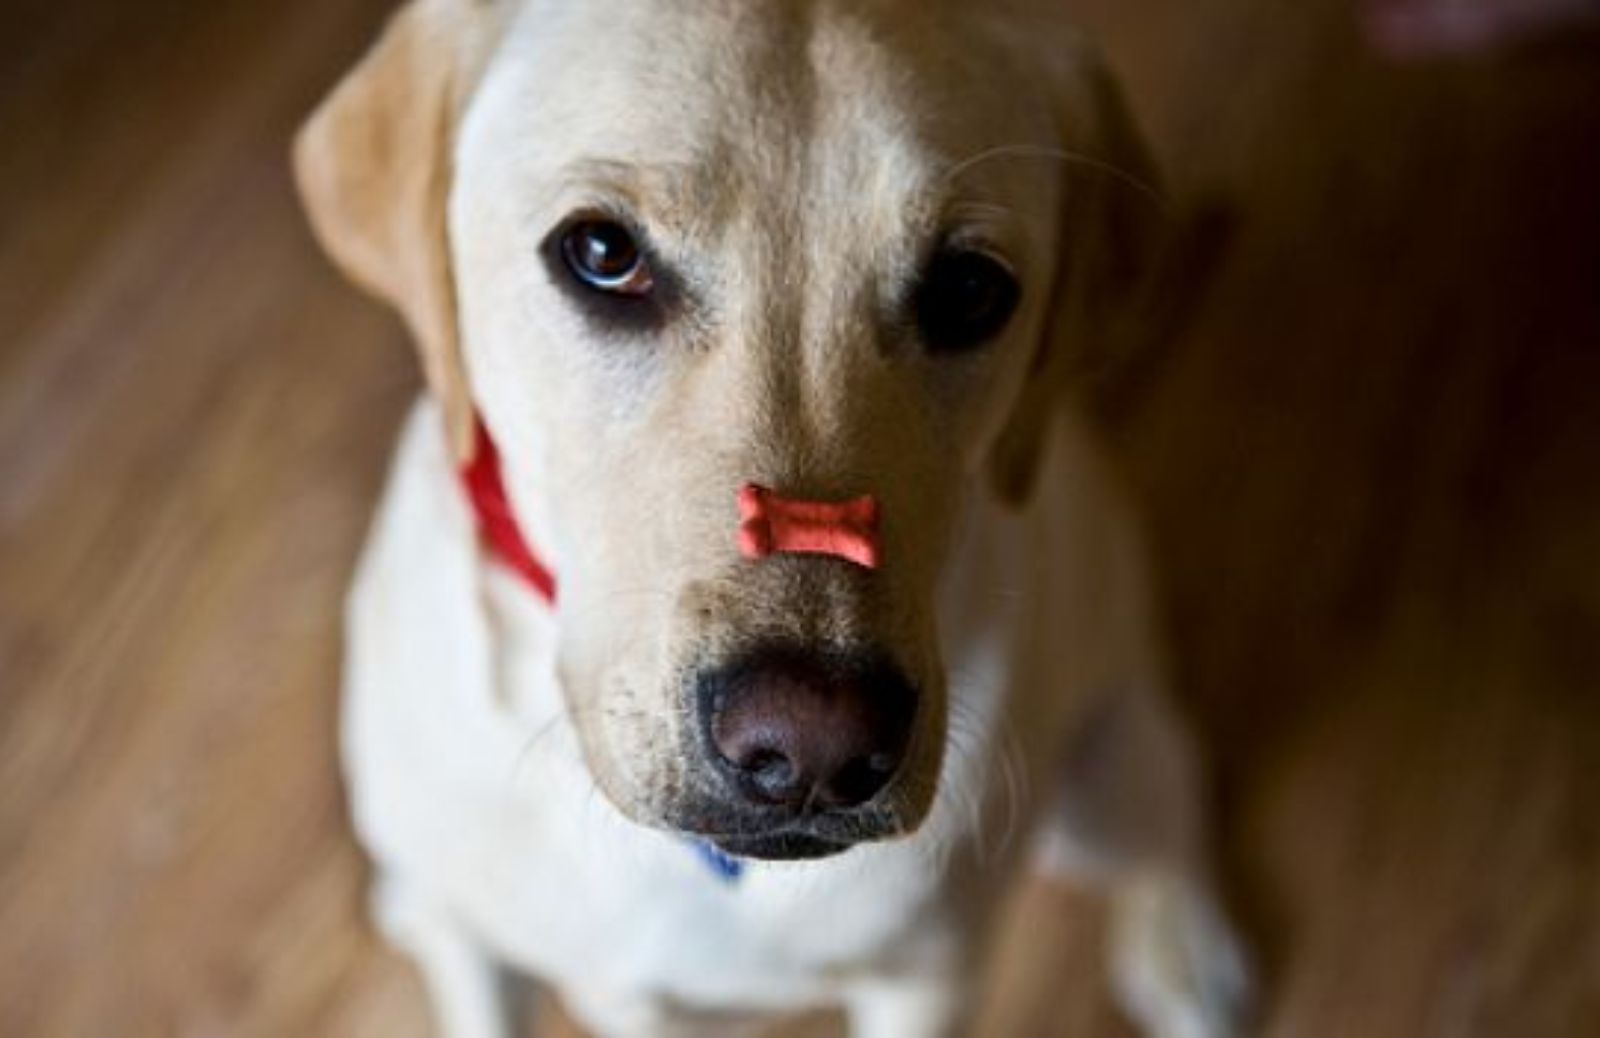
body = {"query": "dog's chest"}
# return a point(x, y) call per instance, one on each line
point(642, 912)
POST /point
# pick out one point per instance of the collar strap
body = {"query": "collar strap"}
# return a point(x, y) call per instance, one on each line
point(497, 523)
point(722, 865)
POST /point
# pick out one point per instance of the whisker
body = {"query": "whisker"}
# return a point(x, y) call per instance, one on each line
point(564, 722)
point(1039, 151)
point(1008, 750)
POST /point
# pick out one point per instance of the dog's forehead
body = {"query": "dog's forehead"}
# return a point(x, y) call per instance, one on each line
point(716, 108)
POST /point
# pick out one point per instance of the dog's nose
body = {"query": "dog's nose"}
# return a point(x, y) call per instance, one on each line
point(799, 731)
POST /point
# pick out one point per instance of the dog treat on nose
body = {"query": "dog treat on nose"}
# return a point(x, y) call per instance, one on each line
point(771, 524)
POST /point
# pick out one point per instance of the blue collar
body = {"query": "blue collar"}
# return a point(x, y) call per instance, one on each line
point(724, 866)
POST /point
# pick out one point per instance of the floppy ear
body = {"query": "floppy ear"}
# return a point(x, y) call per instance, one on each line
point(373, 165)
point(1112, 223)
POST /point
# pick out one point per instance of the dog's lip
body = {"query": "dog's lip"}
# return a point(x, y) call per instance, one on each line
point(781, 837)
point(787, 845)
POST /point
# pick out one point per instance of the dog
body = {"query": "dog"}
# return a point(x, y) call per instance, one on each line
point(750, 604)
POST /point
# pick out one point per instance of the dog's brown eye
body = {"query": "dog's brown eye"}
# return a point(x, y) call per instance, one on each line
point(603, 255)
point(965, 299)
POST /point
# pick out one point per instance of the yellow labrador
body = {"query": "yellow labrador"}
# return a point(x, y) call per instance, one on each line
point(747, 607)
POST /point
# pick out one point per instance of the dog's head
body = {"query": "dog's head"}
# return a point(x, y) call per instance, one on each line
point(673, 252)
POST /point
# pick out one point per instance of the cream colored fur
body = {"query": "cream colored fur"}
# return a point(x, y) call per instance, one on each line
point(519, 775)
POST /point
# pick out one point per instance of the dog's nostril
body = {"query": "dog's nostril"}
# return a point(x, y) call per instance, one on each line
point(767, 762)
point(757, 751)
point(802, 731)
point(773, 776)
point(775, 779)
point(858, 782)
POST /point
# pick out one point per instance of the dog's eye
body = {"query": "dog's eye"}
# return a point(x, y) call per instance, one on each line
point(965, 299)
point(603, 255)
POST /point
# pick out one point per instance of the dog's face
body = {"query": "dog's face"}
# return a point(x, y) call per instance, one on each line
point(670, 250)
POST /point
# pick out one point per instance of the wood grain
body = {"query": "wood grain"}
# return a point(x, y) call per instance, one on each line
point(1369, 436)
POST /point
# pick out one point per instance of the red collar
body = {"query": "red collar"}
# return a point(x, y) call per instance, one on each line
point(497, 523)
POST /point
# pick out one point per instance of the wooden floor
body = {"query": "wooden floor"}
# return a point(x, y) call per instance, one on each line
point(1369, 440)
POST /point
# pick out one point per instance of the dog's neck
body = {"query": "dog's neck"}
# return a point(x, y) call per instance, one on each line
point(497, 523)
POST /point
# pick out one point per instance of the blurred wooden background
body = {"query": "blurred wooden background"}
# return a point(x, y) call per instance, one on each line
point(1371, 450)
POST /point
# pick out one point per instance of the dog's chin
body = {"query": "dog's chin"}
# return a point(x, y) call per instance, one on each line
point(785, 846)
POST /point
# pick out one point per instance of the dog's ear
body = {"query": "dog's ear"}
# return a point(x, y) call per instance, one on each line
point(1112, 223)
point(373, 165)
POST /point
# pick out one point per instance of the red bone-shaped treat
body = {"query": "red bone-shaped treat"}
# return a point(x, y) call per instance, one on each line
point(771, 524)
